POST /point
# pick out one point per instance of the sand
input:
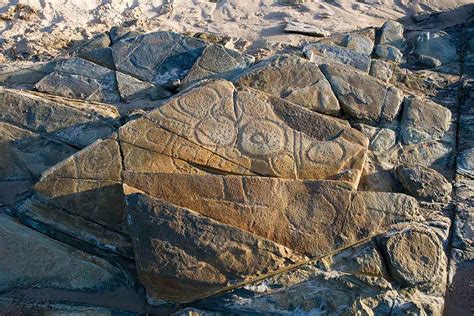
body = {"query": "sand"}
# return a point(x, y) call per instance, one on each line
point(43, 29)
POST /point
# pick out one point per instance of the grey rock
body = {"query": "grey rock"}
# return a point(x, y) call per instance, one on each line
point(217, 61)
point(381, 69)
point(429, 61)
point(321, 53)
point(101, 56)
point(131, 89)
point(293, 79)
point(381, 139)
point(436, 45)
point(99, 41)
point(362, 96)
point(388, 52)
point(80, 79)
point(26, 77)
point(423, 120)
point(160, 57)
point(305, 29)
point(465, 163)
point(50, 264)
point(118, 33)
point(391, 33)
point(359, 43)
point(424, 183)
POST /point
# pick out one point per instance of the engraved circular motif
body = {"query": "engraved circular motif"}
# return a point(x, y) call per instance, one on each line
point(198, 103)
point(262, 138)
point(98, 160)
point(213, 132)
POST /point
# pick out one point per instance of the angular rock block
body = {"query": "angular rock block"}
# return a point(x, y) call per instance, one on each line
point(362, 96)
point(183, 256)
point(322, 54)
point(391, 33)
point(423, 121)
point(29, 259)
point(306, 216)
point(80, 79)
point(217, 61)
point(436, 46)
point(160, 58)
point(293, 79)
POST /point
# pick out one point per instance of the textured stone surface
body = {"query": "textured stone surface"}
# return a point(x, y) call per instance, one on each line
point(80, 79)
point(217, 61)
point(388, 52)
point(424, 183)
point(359, 43)
point(465, 163)
point(131, 89)
point(305, 28)
point(296, 215)
point(183, 256)
point(415, 256)
point(50, 264)
point(295, 80)
point(435, 45)
point(381, 139)
point(321, 53)
point(160, 57)
point(381, 69)
point(423, 121)
point(391, 33)
point(362, 96)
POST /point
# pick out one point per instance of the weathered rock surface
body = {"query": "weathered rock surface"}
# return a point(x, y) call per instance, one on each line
point(362, 96)
point(160, 58)
point(388, 52)
point(465, 164)
point(381, 69)
point(80, 79)
point(183, 256)
point(424, 183)
point(306, 216)
point(381, 139)
point(50, 264)
point(293, 79)
point(359, 43)
point(415, 256)
point(305, 28)
point(423, 121)
point(436, 46)
point(391, 33)
point(321, 54)
point(217, 61)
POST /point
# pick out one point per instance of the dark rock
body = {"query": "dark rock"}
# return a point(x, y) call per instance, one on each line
point(131, 89)
point(435, 46)
point(388, 52)
point(391, 33)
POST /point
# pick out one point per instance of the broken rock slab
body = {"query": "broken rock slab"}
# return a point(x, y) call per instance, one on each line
point(217, 61)
point(306, 216)
point(361, 96)
point(160, 58)
point(305, 29)
point(424, 183)
point(391, 33)
point(435, 48)
point(322, 53)
point(293, 79)
point(183, 256)
point(423, 120)
point(50, 264)
point(80, 79)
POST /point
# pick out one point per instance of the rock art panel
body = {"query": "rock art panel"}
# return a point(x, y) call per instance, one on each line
point(183, 256)
point(293, 79)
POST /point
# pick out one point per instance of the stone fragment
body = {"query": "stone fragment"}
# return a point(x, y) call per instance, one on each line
point(26, 77)
point(13, 191)
point(99, 41)
point(183, 256)
point(359, 43)
point(321, 54)
point(306, 216)
point(293, 79)
point(388, 52)
point(391, 33)
point(217, 61)
point(362, 96)
point(131, 89)
point(465, 163)
point(32, 260)
point(381, 69)
point(415, 256)
point(159, 58)
point(423, 120)
point(436, 46)
point(80, 79)
point(424, 183)
point(305, 29)
point(381, 139)
point(101, 56)
point(118, 33)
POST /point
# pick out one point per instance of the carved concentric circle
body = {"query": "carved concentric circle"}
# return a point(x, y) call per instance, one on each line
point(262, 138)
